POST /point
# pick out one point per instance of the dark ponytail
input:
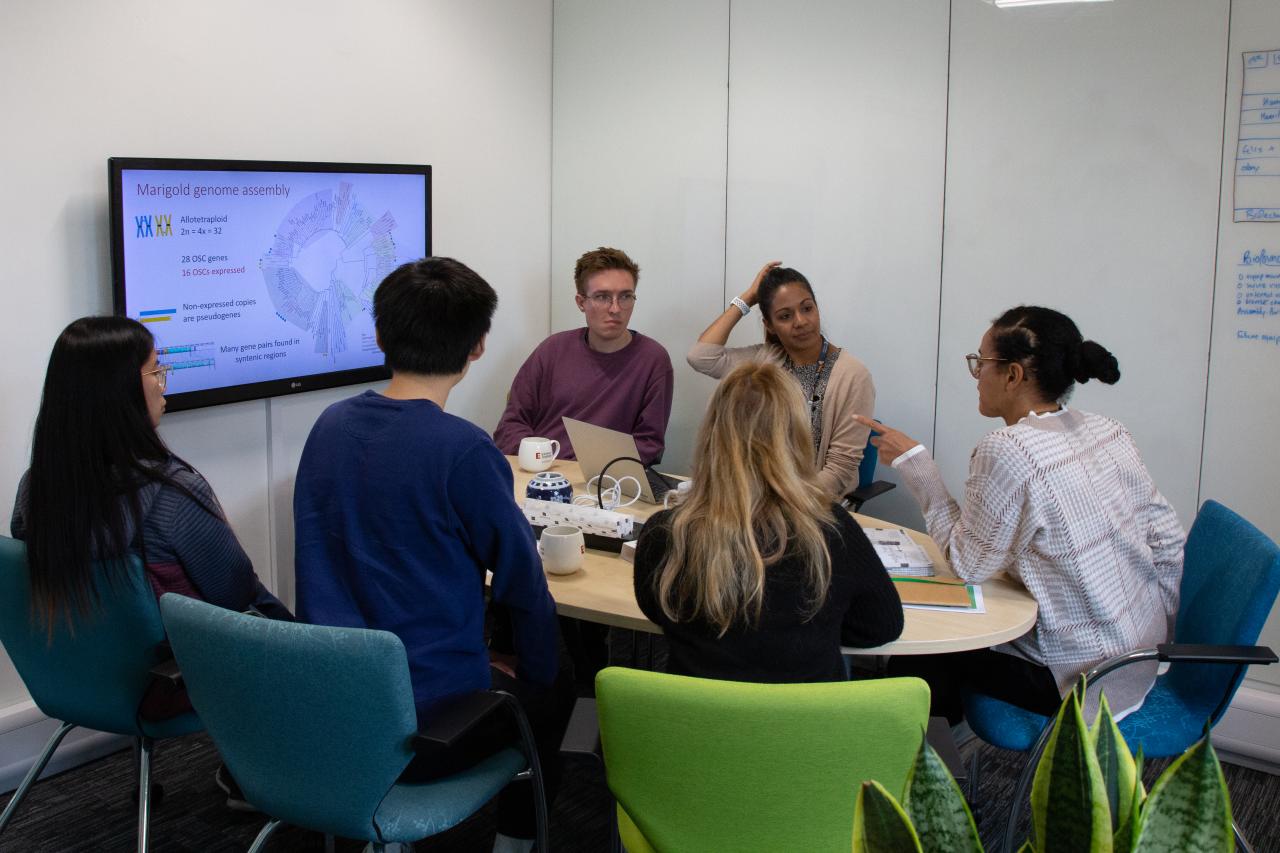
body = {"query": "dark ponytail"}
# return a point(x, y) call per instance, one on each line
point(1096, 362)
point(774, 280)
point(1050, 348)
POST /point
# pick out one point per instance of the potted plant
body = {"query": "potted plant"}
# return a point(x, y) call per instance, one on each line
point(1087, 795)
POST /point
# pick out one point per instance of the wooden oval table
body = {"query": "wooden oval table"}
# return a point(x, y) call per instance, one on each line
point(601, 591)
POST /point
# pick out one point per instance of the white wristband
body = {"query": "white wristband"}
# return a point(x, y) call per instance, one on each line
point(911, 451)
point(742, 306)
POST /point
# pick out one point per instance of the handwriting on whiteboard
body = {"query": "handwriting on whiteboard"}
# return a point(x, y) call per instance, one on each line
point(1258, 297)
point(1257, 172)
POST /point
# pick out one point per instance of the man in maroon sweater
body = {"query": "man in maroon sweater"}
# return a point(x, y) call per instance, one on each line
point(605, 374)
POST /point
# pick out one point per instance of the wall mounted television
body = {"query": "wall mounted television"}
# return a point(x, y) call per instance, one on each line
point(257, 277)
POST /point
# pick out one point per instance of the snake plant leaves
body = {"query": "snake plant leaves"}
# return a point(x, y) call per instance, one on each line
point(937, 808)
point(879, 823)
point(1188, 808)
point(1068, 800)
point(1126, 836)
point(1119, 772)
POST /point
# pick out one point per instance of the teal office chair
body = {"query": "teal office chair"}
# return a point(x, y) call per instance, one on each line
point(94, 676)
point(868, 486)
point(316, 723)
point(1230, 577)
point(698, 764)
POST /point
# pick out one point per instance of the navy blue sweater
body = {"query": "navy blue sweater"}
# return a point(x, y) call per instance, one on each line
point(399, 509)
point(184, 530)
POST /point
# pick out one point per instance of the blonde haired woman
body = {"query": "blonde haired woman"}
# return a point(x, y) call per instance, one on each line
point(756, 575)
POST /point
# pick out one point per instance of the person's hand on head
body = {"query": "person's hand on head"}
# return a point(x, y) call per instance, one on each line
point(890, 442)
point(749, 295)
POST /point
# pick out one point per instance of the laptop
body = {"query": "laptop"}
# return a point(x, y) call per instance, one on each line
point(596, 446)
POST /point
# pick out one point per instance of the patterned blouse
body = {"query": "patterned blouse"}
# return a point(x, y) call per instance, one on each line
point(814, 387)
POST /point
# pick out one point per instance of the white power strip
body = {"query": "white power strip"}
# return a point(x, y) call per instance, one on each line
point(589, 519)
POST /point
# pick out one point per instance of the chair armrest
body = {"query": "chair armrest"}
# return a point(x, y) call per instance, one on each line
point(582, 735)
point(169, 671)
point(453, 718)
point(939, 736)
point(1196, 653)
point(1186, 653)
point(862, 494)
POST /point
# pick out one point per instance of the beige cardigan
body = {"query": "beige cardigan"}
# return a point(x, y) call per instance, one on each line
point(849, 391)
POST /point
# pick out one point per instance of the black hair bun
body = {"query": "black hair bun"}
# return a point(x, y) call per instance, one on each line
point(1096, 362)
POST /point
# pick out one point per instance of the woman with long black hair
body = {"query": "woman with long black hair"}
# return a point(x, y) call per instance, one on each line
point(102, 484)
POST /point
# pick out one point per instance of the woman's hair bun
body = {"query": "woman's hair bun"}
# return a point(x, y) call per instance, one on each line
point(1096, 362)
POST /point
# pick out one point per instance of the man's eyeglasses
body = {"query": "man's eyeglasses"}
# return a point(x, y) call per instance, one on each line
point(975, 362)
point(161, 374)
point(604, 300)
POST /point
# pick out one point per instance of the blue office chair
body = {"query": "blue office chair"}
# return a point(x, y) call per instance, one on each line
point(316, 723)
point(868, 486)
point(94, 675)
point(1230, 577)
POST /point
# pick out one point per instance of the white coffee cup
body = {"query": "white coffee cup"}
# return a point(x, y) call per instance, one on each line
point(562, 549)
point(537, 453)
point(679, 493)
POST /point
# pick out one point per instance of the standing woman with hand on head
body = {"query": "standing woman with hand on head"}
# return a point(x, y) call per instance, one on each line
point(836, 386)
point(1060, 500)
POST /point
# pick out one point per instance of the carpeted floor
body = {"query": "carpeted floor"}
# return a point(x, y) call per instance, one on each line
point(90, 808)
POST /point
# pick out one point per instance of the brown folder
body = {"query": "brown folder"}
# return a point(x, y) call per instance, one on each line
point(940, 593)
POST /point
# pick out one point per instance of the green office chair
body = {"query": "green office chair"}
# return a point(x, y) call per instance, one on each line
point(697, 764)
point(94, 676)
point(316, 724)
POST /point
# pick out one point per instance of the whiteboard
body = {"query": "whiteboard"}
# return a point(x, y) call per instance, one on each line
point(1241, 461)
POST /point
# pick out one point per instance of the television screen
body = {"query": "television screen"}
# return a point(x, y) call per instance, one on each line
point(257, 278)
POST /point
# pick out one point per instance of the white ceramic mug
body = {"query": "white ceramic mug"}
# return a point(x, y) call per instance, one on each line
point(674, 496)
point(562, 549)
point(537, 453)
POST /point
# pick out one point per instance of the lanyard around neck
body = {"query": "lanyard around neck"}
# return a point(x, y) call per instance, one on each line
point(812, 396)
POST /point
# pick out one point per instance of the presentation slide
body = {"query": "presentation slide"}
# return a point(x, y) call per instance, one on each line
point(252, 276)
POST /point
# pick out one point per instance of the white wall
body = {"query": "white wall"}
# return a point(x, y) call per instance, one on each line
point(638, 164)
point(463, 86)
point(837, 143)
point(929, 164)
point(1088, 181)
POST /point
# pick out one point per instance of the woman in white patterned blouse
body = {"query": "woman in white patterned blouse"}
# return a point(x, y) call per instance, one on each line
point(1060, 500)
